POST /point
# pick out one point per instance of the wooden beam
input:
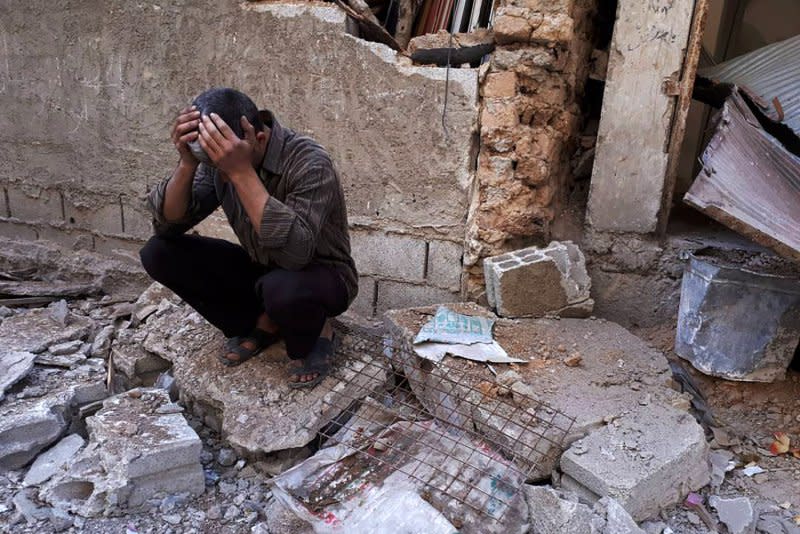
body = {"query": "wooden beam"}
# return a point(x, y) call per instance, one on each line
point(647, 50)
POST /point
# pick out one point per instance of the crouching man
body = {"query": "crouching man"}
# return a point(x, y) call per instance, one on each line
point(283, 199)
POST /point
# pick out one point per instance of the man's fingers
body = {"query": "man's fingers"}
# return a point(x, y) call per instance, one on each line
point(249, 131)
point(212, 130)
point(188, 138)
point(207, 141)
point(223, 127)
point(186, 117)
point(184, 127)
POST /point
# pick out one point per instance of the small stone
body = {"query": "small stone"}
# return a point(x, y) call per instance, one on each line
point(693, 518)
point(573, 360)
point(227, 488)
point(761, 478)
point(61, 520)
point(59, 312)
point(169, 408)
point(214, 512)
point(172, 519)
point(135, 393)
point(226, 457)
point(232, 513)
point(737, 513)
point(102, 343)
point(69, 347)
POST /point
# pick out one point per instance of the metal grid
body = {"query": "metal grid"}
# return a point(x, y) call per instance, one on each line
point(467, 447)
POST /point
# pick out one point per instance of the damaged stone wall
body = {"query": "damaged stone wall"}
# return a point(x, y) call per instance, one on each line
point(530, 121)
point(90, 89)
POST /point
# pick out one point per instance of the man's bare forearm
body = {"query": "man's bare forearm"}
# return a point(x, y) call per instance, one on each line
point(178, 194)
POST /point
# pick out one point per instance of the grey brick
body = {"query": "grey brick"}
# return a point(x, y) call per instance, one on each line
point(394, 295)
point(104, 217)
point(389, 255)
point(14, 230)
point(364, 304)
point(3, 204)
point(445, 264)
point(138, 222)
point(34, 204)
point(73, 239)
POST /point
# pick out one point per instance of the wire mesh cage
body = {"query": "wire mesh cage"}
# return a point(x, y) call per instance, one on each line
point(467, 446)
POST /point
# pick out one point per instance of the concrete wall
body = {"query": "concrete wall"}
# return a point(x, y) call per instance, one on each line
point(88, 90)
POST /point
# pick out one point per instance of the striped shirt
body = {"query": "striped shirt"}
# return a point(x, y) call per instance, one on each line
point(304, 220)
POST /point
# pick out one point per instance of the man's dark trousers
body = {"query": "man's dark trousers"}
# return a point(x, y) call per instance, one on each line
point(219, 280)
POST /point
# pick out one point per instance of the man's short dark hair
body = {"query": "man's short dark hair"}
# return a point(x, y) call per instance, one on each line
point(229, 104)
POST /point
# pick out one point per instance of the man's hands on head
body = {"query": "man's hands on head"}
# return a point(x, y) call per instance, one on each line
point(231, 155)
point(184, 131)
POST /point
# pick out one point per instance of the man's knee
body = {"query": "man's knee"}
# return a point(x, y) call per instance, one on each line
point(280, 293)
point(156, 256)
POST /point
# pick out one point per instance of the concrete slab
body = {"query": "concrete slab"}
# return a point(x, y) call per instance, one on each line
point(134, 452)
point(36, 330)
point(252, 404)
point(617, 372)
point(648, 459)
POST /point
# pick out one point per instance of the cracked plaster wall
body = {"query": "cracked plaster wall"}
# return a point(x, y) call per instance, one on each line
point(90, 88)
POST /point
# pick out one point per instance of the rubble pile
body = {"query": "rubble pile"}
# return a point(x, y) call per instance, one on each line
point(116, 413)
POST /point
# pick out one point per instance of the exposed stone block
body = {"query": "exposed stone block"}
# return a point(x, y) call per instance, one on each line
point(138, 446)
point(389, 255)
point(528, 60)
point(555, 28)
point(138, 222)
point(14, 366)
point(553, 512)
point(72, 239)
point(34, 204)
point(498, 113)
point(545, 6)
point(444, 264)
point(495, 170)
point(647, 460)
point(514, 24)
point(402, 295)
point(500, 84)
point(536, 281)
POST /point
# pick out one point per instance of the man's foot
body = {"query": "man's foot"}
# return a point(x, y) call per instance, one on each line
point(315, 367)
point(239, 349)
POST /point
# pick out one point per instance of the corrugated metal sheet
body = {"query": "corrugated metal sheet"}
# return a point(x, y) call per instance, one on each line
point(749, 181)
point(766, 74)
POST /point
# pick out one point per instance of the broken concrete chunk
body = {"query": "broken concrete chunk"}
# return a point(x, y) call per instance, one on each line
point(59, 311)
point(617, 519)
point(69, 347)
point(67, 361)
point(30, 510)
point(53, 460)
point(102, 343)
point(29, 425)
point(252, 404)
point(737, 514)
point(554, 512)
point(534, 282)
point(35, 330)
point(133, 452)
point(598, 389)
point(14, 366)
point(647, 460)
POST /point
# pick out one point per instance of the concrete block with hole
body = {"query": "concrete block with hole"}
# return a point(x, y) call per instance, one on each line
point(534, 282)
point(139, 445)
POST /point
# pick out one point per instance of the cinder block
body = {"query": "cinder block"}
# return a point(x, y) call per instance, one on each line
point(12, 230)
point(647, 461)
point(534, 281)
point(34, 204)
point(123, 249)
point(364, 304)
point(393, 295)
point(104, 217)
point(389, 255)
point(3, 203)
point(445, 264)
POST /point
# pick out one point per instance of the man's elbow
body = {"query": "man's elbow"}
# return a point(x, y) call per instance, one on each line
point(300, 256)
